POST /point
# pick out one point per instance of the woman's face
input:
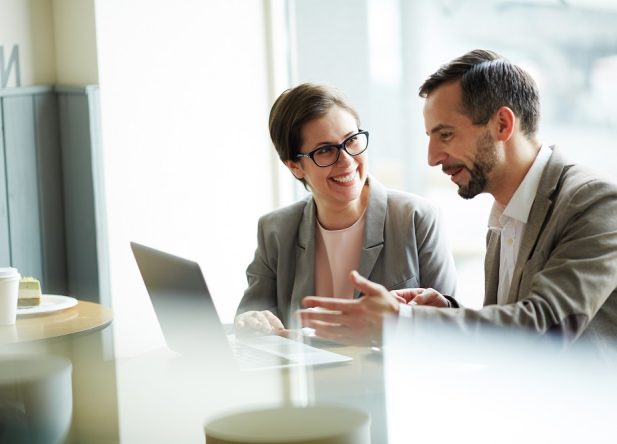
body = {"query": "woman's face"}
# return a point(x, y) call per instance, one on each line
point(338, 184)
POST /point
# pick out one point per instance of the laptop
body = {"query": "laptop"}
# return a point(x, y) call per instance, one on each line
point(191, 325)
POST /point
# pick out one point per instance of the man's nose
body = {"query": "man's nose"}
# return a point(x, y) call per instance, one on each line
point(436, 155)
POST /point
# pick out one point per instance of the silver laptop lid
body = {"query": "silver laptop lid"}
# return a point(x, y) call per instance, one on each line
point(191, 325)
point(182, 303)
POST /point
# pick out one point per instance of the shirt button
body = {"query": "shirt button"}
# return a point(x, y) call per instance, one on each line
point(510, 242)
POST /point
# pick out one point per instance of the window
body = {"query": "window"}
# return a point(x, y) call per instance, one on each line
point(380, 51)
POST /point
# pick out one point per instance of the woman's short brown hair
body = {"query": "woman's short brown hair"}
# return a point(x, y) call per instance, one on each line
point(298, 106)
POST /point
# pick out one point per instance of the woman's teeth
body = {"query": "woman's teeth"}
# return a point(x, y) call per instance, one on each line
point(344, 179)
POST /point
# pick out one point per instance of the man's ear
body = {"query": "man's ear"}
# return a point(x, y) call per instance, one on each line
point(295, 169)
point(505, 123)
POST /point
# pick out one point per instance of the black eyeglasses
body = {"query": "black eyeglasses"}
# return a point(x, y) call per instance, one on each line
point(329, 154)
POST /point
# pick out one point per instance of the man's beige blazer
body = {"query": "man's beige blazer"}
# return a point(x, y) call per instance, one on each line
point(565, 279)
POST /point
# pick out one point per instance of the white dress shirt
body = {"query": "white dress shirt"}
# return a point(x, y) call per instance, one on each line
point(512, 220)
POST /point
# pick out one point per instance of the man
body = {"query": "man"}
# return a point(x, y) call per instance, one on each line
point(551, 261)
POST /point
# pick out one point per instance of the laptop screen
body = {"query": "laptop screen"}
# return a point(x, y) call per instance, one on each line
point(182, 302)
point(191, 325)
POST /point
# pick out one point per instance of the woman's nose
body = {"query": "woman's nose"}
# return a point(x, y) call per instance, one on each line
point(344, 157)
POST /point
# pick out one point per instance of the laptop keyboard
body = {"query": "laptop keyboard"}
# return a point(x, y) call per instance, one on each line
point(250, 357)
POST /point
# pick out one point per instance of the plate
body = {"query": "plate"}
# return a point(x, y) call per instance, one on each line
point(49, 304)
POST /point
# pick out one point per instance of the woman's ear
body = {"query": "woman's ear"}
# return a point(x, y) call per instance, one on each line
point(295, 169)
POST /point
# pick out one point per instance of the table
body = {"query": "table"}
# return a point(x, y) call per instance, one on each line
point(78, 334)
point(159, 396)
point(85, 317)
point(163, 397)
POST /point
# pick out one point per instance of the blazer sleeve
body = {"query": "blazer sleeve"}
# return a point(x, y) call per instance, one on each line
point(568, 279)
point(261, 277)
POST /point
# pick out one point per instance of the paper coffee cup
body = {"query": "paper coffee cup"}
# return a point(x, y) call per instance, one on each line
point(9, 290)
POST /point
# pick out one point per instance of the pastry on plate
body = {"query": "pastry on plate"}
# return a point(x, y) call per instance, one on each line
point(29, 292)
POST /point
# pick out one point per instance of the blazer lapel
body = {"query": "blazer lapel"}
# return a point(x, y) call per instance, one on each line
point(374, 224)
point(304, 277)
point(537, 215)
point(491, 266)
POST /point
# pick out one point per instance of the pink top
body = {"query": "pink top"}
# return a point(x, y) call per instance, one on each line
point(337, 252)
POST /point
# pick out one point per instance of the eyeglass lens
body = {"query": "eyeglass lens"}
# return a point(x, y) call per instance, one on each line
point(328, 155)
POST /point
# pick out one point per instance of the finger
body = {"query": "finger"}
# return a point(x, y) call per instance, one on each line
point(421, 298)
point(365, 286)
point(274, 322)
point(408, 294)
point(333, 317)
point(253, 322)
point(289, 334)
point(259, 322)
point(431, 297)
point(399, 299)
point(239, 323)
point(408, 291)
point(264, 323)
point(329, 303)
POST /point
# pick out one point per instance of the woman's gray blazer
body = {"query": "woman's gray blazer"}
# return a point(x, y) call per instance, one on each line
point(403, 247)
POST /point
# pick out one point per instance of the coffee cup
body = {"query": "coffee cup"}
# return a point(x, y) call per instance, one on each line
point(315, 424)
point(9, 291)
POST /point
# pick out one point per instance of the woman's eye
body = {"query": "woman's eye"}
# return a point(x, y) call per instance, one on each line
point(324, 150)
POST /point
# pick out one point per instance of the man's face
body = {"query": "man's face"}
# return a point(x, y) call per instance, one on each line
point(466, 152)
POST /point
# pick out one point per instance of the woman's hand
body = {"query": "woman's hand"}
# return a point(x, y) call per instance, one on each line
point(252, 323)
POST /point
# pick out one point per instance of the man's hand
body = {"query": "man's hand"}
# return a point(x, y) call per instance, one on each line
point(422, 296)
point(351, 321)
point(254, 323)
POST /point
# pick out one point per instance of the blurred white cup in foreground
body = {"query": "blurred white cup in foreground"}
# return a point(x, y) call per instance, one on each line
point(9, 290)
point(316, 424)
point(36, 399)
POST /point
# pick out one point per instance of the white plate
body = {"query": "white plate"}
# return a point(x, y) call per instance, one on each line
point(49, 303)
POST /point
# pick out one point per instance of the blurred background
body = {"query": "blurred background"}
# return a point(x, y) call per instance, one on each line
point(181, 158)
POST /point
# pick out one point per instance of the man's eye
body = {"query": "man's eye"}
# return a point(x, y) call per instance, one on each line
point(445, 136)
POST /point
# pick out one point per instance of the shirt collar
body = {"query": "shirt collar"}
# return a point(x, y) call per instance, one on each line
point(520, 204)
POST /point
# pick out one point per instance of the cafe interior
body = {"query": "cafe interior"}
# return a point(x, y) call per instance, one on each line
point(135, 151)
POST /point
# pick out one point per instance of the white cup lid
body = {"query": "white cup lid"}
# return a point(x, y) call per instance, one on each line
point(8, 272)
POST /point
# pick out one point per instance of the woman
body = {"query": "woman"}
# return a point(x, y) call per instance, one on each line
point(349, 222)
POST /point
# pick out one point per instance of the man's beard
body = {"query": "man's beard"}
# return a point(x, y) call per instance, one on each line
point(485, 160)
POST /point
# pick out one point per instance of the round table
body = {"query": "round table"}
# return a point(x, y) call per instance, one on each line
point(85, 317)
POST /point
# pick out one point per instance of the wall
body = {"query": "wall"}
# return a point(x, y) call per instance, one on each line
point(56, 40)
point(75, 42)
point(28, 24)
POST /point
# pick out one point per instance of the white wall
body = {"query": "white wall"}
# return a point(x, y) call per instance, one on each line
point(75, 42)
point(56, 40)
point(29, 25)
point(188, 163)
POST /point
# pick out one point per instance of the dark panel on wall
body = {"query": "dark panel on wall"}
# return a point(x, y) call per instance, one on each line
point(51, 200)
point(5, 246)
point(51, 207)
point(22, 184)
point(80, 216)
point(100, 213)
